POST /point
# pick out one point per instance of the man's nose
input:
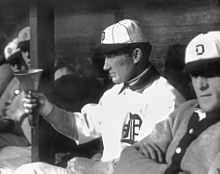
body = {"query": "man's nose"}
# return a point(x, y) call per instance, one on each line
point(106, 65)
point(202, 83)
point(27, 55)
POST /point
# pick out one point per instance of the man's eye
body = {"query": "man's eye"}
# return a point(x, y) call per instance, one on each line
point(194, 75)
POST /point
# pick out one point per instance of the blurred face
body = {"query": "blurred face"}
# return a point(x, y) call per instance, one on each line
point(208, 92)
point(26, 57)
point(16, 68)
point(119, 67)
point(23, 63)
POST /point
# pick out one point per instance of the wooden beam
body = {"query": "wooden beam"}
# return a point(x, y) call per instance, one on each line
point(41, 20)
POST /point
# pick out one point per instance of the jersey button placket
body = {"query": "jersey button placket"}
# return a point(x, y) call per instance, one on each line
point(178, 150)
point(191, 130)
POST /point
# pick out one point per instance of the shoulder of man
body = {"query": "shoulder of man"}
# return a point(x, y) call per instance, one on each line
point(183, 113)
point(161, 87)
point(8, 93)
point(215, 166)
point(114, 90)
point(176, 119)
point(160, 84)
point(162, 81)
point(171, 91)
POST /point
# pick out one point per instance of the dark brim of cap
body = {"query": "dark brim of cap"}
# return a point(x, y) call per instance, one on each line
point(110, 48)
point(206, 67)
point(15, 58)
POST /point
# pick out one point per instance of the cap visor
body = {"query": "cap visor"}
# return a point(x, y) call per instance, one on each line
point(111, 48)
point(108, 48)
point(14, 57)
point(207, 67)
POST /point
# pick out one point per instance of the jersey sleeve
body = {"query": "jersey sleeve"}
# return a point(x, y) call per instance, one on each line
point(81, 126)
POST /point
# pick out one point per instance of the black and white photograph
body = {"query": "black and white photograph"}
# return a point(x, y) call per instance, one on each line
point(109, 87)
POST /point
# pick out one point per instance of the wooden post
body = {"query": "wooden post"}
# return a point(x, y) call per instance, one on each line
point(41, 18)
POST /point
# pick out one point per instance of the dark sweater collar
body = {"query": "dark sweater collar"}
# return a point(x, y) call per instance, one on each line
point(144, 79)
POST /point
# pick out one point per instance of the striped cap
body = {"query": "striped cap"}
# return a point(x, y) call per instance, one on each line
point(121, 34)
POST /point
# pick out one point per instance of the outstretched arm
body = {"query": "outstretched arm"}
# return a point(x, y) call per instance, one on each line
point(77, 126)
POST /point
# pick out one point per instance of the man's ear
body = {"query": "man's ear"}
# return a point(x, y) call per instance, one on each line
point(137, 55)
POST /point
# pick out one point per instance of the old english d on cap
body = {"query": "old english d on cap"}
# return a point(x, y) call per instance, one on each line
point(120, 35)
point(202, 54)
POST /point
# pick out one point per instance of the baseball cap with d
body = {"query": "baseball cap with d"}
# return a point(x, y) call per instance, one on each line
point(121, 34)
point(202, 54)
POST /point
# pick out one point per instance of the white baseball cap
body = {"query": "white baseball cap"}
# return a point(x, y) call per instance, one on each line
point(24, 34)
point(13, 55)
point(203, 52)
point(203, 47)
point(120, 35)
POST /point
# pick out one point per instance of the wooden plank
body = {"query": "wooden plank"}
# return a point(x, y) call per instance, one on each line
point(42, 55)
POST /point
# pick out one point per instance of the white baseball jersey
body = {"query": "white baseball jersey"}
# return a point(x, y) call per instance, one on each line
point(123, 115)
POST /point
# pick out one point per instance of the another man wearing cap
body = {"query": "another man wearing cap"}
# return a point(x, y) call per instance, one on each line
point(11, 104)
point(17, 52)
point(188, 141)
point(124, 114)
point(15, 131)
point(24, 37)
point(19, 61)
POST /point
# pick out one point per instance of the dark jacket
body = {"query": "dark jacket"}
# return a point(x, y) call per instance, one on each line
point(187, 142)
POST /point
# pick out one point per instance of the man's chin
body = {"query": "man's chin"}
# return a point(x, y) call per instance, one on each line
point(114, 80)
point(207, 107)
